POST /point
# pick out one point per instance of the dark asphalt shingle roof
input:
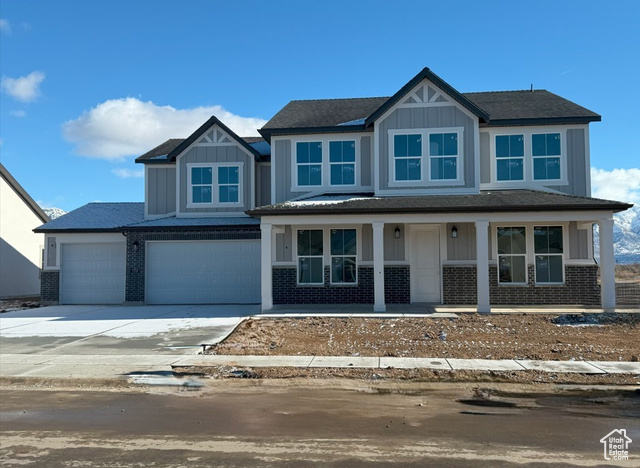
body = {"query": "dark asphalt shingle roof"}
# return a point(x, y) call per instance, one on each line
point(503, 107)
point(118, 217)
point(160, 152)
point(486, 201)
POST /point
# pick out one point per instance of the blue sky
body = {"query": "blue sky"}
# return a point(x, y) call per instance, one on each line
point(88, 86)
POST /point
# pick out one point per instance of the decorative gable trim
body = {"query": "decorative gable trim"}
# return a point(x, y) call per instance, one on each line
point(410, 87)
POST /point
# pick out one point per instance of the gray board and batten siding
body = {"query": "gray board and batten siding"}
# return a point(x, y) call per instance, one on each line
point(216, 154)
point(161, 190)
point(421, 118)
point(283, 164)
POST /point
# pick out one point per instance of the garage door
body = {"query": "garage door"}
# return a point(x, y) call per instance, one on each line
point(92, 273)
point(208, 272)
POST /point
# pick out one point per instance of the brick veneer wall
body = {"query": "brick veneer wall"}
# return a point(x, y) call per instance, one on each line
point(580, 287)
point(49, 287)
point(136, 259)
point(287, 291)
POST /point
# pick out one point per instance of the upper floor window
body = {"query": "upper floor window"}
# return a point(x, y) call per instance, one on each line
point(342, 159)
point(546, 153)
point(443, 156)
point(214, 184)
point(309, 163)
point(510, 157)
point(407, 154)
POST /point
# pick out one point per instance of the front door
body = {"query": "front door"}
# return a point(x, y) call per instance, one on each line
point(425, 264)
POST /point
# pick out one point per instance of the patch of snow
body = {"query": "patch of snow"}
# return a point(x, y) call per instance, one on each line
point(54, 213)
point(626, 236)
point(353, 122)
point(326, 200)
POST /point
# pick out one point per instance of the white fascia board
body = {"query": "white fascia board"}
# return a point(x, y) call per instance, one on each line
point(520, 217)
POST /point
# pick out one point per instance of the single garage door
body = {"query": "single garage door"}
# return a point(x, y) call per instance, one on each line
point(203, 272)
point(92, 273)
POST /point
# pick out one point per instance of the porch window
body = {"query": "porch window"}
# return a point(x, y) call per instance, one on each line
point(309, 163)
point(343, 256)
point(310, 264)
point(342, 159)
point(549, 251)
point(202, 185)
point(443, 156)
point(510, 157)
point(407, 154)
point(512, 255)
point(546, 153)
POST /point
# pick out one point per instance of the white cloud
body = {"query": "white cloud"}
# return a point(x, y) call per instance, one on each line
point(18, 113)
point(122, 127)
point(24, 88)
point(5, 26)
point(128, 173)
point(618, 184)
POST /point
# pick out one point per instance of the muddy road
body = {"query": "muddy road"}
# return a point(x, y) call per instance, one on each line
point(277, 424)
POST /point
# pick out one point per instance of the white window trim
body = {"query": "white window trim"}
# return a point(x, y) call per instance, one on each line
point(562, 255)
point(326, 250)
point(562, 156)
point(459, 131)
point(355, 162)
point(425, 159)
point(525, 254)
point(528, 180)
point(326, 164)
point(331, 256)
point(215, 195)
point(495, 159)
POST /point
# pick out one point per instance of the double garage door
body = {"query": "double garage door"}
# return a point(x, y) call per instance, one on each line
point(203, 272)
point(196, 272)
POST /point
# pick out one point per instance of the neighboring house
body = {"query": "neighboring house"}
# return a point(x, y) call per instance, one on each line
point(427, 196)
point(20, 247)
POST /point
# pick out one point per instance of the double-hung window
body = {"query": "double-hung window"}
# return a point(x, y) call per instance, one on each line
point(510, 157)
point(310, 256)
point(309, 163)
point(546, 153)
point(214, 184)
point(343, 256)
point(342, 159)
point(512, 255)
point(202, 185)
point(407, 157)
point(443, 156)
point(549, 250)
point(228, 184)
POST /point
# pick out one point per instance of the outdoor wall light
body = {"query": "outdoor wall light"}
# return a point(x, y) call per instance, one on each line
point(136, 244)
point(397, 232)
point(454, 232)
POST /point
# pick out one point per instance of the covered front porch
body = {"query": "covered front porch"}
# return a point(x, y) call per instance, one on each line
point(484, 250)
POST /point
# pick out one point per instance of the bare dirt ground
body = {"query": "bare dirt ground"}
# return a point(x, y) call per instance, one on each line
point(19, 304)
point(598, 337)
point(629, 273)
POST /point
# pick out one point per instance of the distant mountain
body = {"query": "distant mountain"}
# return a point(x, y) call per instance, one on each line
point(54, 213)
point(626, 236)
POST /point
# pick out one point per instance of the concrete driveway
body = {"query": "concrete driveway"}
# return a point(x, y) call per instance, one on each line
point(93, 330)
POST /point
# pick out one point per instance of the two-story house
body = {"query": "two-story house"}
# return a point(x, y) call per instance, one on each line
point(427, 196)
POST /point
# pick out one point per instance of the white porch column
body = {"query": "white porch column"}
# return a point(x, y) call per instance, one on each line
point(482, 262)
point(378, 266)
point(607, 265)
point(266, 271)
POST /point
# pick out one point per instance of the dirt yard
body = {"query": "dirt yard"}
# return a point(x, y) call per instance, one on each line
point(598, 337)
point(9, 305)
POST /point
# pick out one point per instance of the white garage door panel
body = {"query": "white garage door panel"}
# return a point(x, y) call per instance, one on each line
point(208, 272)
point(92, 273)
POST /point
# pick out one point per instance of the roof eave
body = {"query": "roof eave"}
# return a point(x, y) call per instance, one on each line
point(544, 121)
point(267, 133)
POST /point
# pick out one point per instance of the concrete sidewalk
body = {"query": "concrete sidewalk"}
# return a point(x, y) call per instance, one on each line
point(123, 365)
